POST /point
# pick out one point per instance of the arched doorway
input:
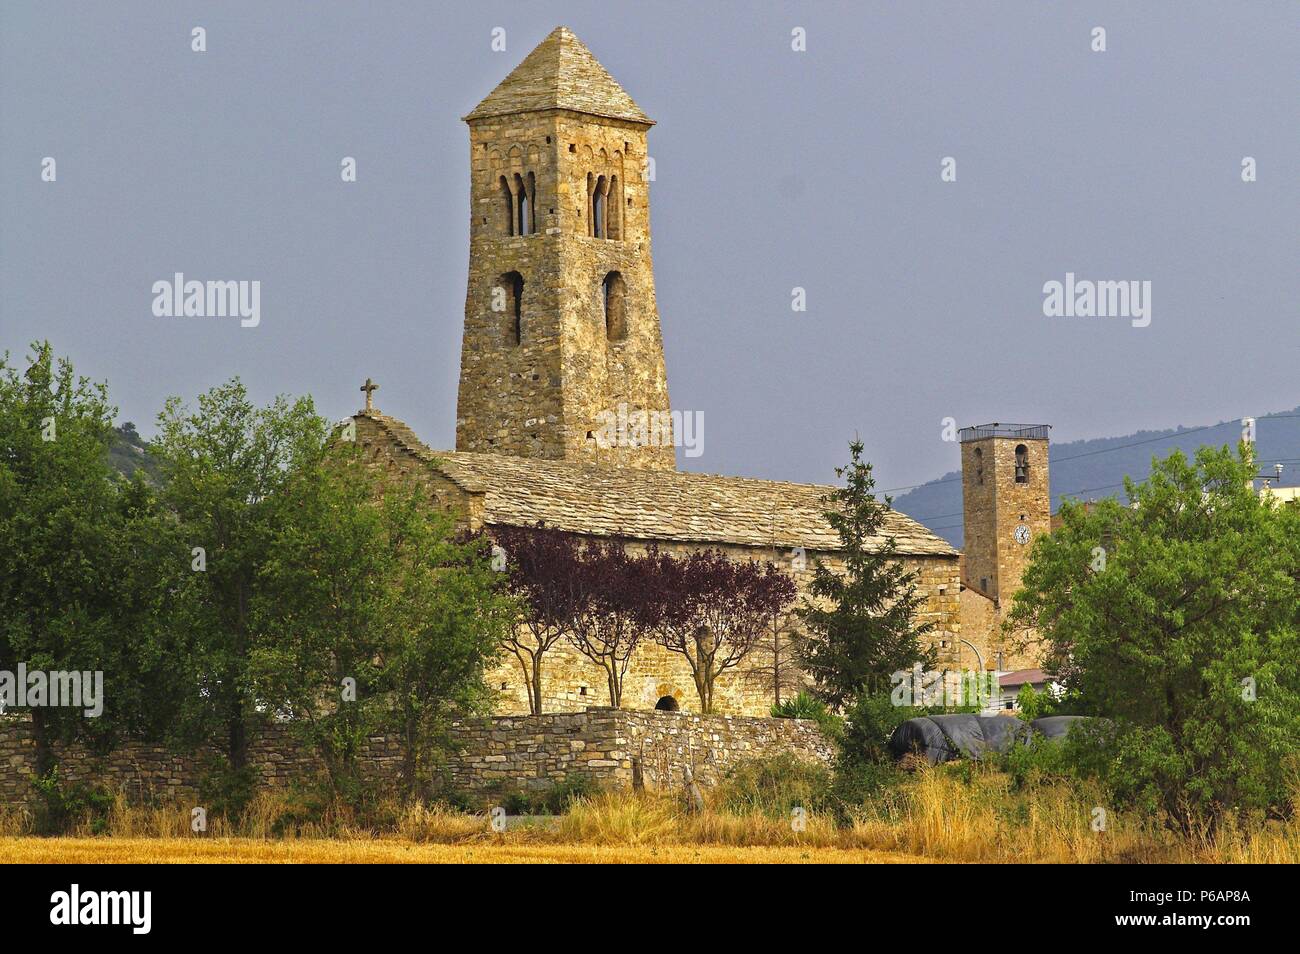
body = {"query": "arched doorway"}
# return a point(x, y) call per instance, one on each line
point(667, 704)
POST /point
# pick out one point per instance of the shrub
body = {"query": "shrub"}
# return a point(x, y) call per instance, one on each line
point(226, 791)
point(807, 706)
point(1040, 761)
point(59, 807)
point(555, 800)
point(872, 720)
point(774, 786)
point(858, 782)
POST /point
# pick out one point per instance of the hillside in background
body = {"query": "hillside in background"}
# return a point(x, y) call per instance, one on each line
point(130, 453)
point(1093, 469)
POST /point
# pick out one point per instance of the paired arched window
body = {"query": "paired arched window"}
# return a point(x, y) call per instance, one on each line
point(613, 300)
point(1022, 464)
point(518, 204)
point(509, 294)
point(604, 208)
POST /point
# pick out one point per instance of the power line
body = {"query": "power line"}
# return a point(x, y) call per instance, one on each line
point(1071, 493)
point(1104, 450)
point(1068, 493)
point(1064, 493)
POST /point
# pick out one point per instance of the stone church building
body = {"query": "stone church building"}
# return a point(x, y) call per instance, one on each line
point(562, 331)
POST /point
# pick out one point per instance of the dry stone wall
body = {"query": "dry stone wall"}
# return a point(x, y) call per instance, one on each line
point(493, 754)
point(154, 772)
point(604, 745)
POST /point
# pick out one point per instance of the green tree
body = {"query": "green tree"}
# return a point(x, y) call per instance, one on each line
point(370, 616)
point(451, 614)
point(1178, 618)
point(860, 622)
point(319, 598)
point(222, 466)
point(77, 587)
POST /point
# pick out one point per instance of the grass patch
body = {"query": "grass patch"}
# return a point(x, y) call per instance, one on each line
point(958, 813)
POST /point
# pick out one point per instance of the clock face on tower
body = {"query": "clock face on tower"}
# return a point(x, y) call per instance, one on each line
point(1022, 534)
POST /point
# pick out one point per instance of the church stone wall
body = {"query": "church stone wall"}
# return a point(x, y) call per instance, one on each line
point(570, 681)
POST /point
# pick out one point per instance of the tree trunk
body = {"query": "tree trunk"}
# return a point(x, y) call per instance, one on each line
point(408, 761)
point(704, 685)
point(45, 760)
point(615, 686)
point(236, 736)
point(537, 683)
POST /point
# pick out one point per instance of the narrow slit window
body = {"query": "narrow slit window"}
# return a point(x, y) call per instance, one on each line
point(598, 229)
point(613, 298)
point(511, 285)
point(614, 210)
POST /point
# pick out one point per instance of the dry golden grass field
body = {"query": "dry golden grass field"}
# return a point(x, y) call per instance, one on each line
point(394, 851)
point(936, 816)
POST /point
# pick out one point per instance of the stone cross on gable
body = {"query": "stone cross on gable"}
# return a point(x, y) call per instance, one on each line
point(370, 387)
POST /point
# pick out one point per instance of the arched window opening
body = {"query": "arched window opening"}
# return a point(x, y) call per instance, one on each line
point(511, 285)
point(614, 210)
point(523, 207)
point(979, 465)
point(598, 229)
point(591, 192)
point(507, 207)
point(613, 298)
point(532, 204)
point(1022, 464)
point(667, 704)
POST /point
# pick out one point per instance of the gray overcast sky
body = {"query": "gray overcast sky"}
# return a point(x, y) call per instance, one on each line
point(775, 169)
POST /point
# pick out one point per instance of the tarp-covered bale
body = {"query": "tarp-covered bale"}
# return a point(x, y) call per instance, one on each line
point(940, 738)
point(921, 737)
point(1057, 727)
point(1001, 733)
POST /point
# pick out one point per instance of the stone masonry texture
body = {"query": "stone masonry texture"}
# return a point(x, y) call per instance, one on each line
point(492, 755)
point(561, 325)
point(995, 505)
point(678, 512)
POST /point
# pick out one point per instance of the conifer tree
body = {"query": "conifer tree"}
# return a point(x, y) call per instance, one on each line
point(860, 621)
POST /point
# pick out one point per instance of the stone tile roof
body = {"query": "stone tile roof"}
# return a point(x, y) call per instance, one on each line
point(648, 504)
point(560, 73)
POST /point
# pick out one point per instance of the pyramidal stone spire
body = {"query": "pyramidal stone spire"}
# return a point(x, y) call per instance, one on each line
point(562, 340)
point(561, 73)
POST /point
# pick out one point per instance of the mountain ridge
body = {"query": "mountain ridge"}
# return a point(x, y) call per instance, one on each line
point(1096, 467)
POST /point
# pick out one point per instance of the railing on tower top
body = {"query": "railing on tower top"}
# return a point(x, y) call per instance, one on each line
point(1024, 432)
